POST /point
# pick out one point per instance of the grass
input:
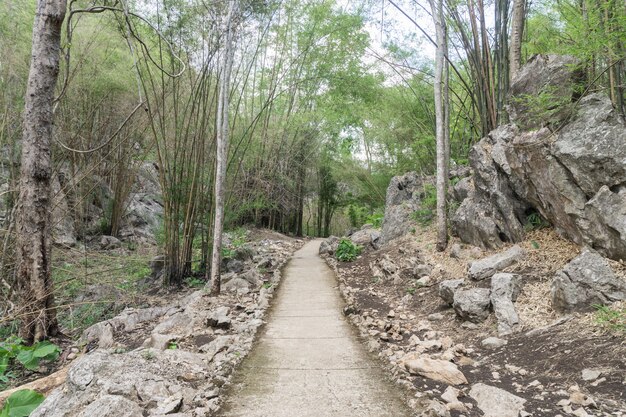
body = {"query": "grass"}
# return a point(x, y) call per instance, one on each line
point(73, 270)
point(611, 318)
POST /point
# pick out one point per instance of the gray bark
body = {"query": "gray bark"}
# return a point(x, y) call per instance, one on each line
point(442, 131)
point(222, 151)
point(517, 31)
point(34, 283)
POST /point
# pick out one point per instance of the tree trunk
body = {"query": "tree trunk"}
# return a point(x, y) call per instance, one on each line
point(517, 31)
point(222, 153)
point(34, 283)
point(441, 131)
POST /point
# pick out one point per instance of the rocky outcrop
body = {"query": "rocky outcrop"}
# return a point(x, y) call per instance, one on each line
point(144, 211)
point(574, 177)
point(585, 281)
point(403, 199)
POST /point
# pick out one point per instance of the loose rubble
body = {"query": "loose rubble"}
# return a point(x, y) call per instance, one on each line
point(175, 359)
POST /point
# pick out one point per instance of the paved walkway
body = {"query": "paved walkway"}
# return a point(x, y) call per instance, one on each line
point(308, 362)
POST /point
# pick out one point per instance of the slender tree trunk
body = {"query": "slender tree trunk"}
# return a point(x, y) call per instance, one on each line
point(34, 283)
point(222, 152)
point(517, 32)
point(442, 131)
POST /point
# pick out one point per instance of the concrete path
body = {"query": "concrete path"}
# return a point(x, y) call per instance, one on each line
point(308, 362)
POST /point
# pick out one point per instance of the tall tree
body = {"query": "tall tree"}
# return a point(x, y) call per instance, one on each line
point(222, 149)
point(441, 120)
point(38, 320)
point(517, 32)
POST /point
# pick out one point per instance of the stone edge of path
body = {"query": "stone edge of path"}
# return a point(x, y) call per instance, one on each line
point(361, 333)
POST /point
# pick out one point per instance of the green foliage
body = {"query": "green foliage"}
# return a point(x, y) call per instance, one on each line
point(172, 345)
point(347, 251)
point(13, 351)
point(534, 221)
point(194, 282)
point(544, 106)
point(21, 403)
point(267, 285)
point(411, 290)
point(611, 318)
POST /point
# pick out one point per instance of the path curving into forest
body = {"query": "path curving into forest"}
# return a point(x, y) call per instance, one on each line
point(308, 361)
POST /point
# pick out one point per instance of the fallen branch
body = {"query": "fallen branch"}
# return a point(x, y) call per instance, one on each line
point(42, 385)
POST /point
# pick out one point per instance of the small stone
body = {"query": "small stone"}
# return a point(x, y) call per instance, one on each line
point(580, 413)
point(493, 342)
point(450, 395)
point(425, 282)
point(591, 374)
point(436, 317)
point(391, 314)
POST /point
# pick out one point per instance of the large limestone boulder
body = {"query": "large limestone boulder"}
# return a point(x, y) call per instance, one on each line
point(403, 197)
point(545, 79)
point(574, 177)
point(585, 281)
point(496, 402)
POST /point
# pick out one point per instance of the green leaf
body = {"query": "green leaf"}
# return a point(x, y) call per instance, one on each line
point(26, 358)
point(21, 403)
point(4, 363)
point(46, 350)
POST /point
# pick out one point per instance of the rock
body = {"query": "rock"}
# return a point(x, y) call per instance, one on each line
point(448, 288)
point(496, 402)
point(553, 76)
point(456, 252)
point(504, 291)
point(435, 317)
point(450, 395)
point(362, 237)
point(472, 304)
point(462, 189)
point(111, 406)
point(591, 374)
point(219, 318)
point(422, 270)
point(109, 242)
point(170, 406)
point(253, 277)
point(493, 342)
point(425, 282)
point(236, 284)
point(486, 267)
point(329, 246)
point(156, 266)
point(144, 209)
point(585, 204)
point(586, 280)
point(437, 370)
point(234, 265)
point(402, 200)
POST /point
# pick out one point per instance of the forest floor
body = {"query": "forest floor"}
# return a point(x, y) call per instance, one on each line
point(571, 365)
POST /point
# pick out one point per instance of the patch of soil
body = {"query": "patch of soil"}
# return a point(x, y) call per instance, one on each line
point(542, 364)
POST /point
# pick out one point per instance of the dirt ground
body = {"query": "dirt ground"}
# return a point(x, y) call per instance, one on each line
point(541, 363)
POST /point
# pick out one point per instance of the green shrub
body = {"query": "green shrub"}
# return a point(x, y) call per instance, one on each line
point(13, 351)
point(347, 251)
